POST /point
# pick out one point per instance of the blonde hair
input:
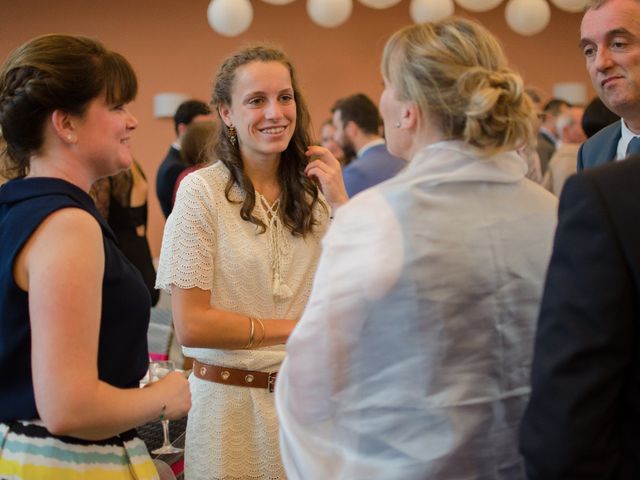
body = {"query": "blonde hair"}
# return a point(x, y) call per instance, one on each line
point(456, 72)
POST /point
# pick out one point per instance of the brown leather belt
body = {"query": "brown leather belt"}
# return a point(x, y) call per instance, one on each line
point(234, 376)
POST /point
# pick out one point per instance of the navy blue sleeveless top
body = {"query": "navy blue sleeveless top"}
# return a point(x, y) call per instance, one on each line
point(122, 349)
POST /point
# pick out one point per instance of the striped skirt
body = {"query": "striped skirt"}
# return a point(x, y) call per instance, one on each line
point(28, 451)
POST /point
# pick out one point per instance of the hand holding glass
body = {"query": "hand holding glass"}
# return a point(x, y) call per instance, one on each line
point(158, 370)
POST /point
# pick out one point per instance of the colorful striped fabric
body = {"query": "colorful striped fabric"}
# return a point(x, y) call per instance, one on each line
point(29, 451)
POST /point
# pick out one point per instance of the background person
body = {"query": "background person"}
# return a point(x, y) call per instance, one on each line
point(122, 201)
point(563, 161)
point(358, 129)
point(412, 358)
point(238, 256)
point(327, 140)
point(596, 116)
point(197, 149)
point(171, 167)
point(548, 135)
point(75, 312)
point(582, 419)
point(610, 42)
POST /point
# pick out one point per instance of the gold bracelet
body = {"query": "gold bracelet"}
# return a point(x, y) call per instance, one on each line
point(252, 322)
point(264, 332)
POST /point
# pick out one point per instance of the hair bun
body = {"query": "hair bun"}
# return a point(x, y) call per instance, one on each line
point(497, 111)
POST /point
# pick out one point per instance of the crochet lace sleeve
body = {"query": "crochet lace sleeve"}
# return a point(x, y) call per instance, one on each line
point(188, 242)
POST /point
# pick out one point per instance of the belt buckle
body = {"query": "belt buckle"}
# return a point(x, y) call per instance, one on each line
point(271, 381)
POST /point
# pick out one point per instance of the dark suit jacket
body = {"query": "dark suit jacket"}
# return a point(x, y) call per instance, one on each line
point(168, 173)
point(601, 148)
point(375, 166)
point(583, 419)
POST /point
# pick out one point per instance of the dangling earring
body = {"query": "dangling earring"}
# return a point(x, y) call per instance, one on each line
point(233, 136)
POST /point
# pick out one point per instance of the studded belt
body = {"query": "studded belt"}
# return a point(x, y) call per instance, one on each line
point(234, 376)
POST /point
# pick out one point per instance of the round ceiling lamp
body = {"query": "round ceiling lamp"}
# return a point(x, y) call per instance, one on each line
point(329, 13)
point(379, 4)
point(278, 2)
point(230, 17)
point(527, 17)
point(573, 6)
point(479, 5)
point(430, 10)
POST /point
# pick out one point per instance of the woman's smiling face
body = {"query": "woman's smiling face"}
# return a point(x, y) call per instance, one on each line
point(262, 110)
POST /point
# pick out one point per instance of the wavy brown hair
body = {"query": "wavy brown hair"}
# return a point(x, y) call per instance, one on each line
point(299, 194)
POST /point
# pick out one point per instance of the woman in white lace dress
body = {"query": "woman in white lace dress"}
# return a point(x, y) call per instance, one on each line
point(238, 256)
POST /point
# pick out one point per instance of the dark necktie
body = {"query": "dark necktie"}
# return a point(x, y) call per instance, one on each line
point(634, 147)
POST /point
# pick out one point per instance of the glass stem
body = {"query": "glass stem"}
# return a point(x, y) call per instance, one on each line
point(165, 432)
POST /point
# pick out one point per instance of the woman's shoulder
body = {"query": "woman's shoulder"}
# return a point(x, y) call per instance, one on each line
point(216, 171)
point(211, 178)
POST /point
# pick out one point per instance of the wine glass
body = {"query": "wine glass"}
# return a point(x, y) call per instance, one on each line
point(158, 370)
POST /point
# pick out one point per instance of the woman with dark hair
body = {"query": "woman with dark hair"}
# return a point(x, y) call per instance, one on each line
point(596, 116)
point(122, 201)
point(238, 256)
point(74, 310)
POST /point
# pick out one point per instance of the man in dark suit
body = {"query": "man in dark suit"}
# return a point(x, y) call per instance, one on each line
point(583, 417)
point(358, 129)
point(171, 167)
point(610, 41)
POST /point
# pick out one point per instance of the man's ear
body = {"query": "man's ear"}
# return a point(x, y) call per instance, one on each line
point(351, 129)
point(65, 126)
point(181, 128)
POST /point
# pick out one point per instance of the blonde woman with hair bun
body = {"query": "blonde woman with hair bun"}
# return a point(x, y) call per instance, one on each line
point(412, 358)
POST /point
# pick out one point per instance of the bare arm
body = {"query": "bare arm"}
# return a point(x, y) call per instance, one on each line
point(200, 325)
point(65, 295)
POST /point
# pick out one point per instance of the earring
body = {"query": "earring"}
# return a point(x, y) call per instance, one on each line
point(397, 124)
point(71, 138)
point(233, 135)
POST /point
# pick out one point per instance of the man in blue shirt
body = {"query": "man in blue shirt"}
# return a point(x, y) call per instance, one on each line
point(358, 129)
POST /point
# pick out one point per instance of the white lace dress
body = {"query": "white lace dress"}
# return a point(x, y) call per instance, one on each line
point(232, 432)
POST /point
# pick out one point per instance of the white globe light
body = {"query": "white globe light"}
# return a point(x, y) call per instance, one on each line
point(329, 13)
point(230, 17)
point(380, 4)
point(573, 6)
point(278, 2)
point(527, 17)
point(479, 5)
point(430, 10)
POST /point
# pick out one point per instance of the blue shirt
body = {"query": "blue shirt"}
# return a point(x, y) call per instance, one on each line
point(374, 166)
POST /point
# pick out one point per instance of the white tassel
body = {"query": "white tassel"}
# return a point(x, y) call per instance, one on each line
point(281, 290)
